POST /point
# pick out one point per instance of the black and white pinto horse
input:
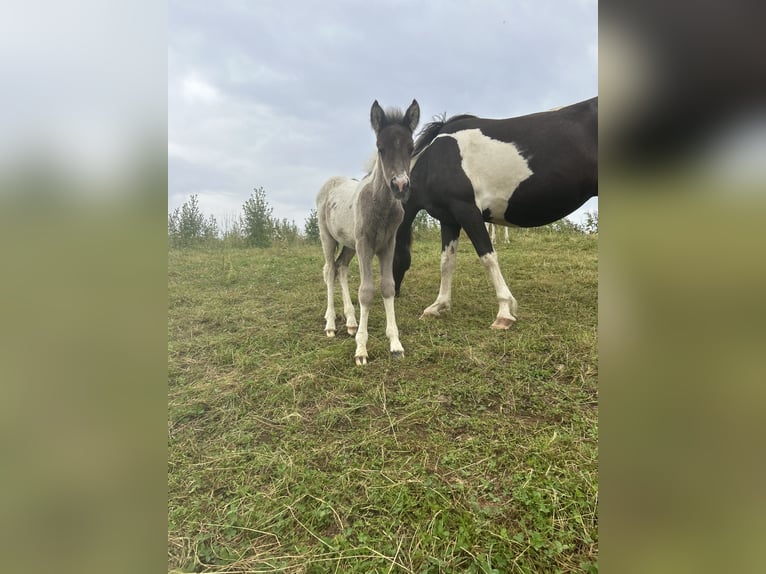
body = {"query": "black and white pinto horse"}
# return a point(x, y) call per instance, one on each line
point(525, 171)
point(362, 217)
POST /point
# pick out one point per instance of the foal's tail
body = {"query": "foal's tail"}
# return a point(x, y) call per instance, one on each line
point(433, 129)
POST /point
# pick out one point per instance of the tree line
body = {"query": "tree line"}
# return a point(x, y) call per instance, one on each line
point(256, 225)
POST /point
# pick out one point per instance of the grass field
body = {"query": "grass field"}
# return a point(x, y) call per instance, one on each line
point(475, 453)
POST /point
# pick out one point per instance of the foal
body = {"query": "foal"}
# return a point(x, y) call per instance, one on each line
point(362, 217)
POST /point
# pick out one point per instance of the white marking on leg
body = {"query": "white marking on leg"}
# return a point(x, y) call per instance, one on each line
point(506, 314)
point(444, 300)
point(329, 278)
point(360, 356)
point(392, 331)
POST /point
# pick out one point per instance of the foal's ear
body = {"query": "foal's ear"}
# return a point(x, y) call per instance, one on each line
point(377, 116)
point(412, 115)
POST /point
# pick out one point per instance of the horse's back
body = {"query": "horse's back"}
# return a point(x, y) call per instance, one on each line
point(335, 209)
point(526, 171)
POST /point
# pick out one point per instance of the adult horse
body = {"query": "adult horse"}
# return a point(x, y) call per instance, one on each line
point(362, 217)
point(525, 171)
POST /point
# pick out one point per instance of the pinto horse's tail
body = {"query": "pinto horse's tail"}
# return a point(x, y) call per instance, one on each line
point(433, 129)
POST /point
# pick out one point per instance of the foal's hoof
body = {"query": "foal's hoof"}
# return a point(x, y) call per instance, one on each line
point(351, 331)
point(330, 333)
point(503, 323)
point(397, 355)
point(434, 310)
point(361, 360)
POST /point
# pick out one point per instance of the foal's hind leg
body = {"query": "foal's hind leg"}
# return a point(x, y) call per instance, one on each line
point(348, 307)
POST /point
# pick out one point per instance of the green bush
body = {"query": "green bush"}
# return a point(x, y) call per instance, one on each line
point(187, 225)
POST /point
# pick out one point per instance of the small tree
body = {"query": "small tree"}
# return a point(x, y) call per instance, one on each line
point(285, 231)
point(564, 226)
point(424, 224)
point(187, 225)
point(311, 227)
point(591, 222)
point(231, 231)
point(257, 223)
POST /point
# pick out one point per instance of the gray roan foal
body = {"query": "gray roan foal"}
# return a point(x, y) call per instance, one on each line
point(362, 217)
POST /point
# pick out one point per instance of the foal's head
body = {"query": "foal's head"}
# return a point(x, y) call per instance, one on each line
point(394, 141)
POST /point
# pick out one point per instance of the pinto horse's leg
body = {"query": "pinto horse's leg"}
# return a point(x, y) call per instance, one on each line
point(471, 220)
point(473, 223)
point(386, 260)
point(348, 307)
point(492, 232)
point(403, 244)
point(506, 314)
point(366, 293)
point(450, 236)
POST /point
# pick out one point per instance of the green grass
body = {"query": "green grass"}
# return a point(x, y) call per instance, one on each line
point(475, 453)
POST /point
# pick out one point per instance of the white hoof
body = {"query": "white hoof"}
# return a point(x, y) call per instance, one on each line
point(503, 323)
point(330, 333)
point(435, 310)
point(361, 360)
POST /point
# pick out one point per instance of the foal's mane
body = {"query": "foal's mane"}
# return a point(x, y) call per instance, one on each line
point(432, 129)
point(369, 165)
point(393, 116)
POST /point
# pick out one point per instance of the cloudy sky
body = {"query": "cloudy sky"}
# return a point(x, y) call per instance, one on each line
point(278, 93)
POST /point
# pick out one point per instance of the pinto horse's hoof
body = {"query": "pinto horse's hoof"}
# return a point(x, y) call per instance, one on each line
point(398, 355)
point(360, 360)
point(503, 323)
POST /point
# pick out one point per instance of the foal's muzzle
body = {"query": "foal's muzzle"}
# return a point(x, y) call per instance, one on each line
point(400, 187)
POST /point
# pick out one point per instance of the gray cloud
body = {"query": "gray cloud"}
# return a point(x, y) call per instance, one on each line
point(264, 94)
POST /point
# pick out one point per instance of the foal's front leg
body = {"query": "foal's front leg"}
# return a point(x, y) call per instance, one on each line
point(366, 293)
point(386, 260)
